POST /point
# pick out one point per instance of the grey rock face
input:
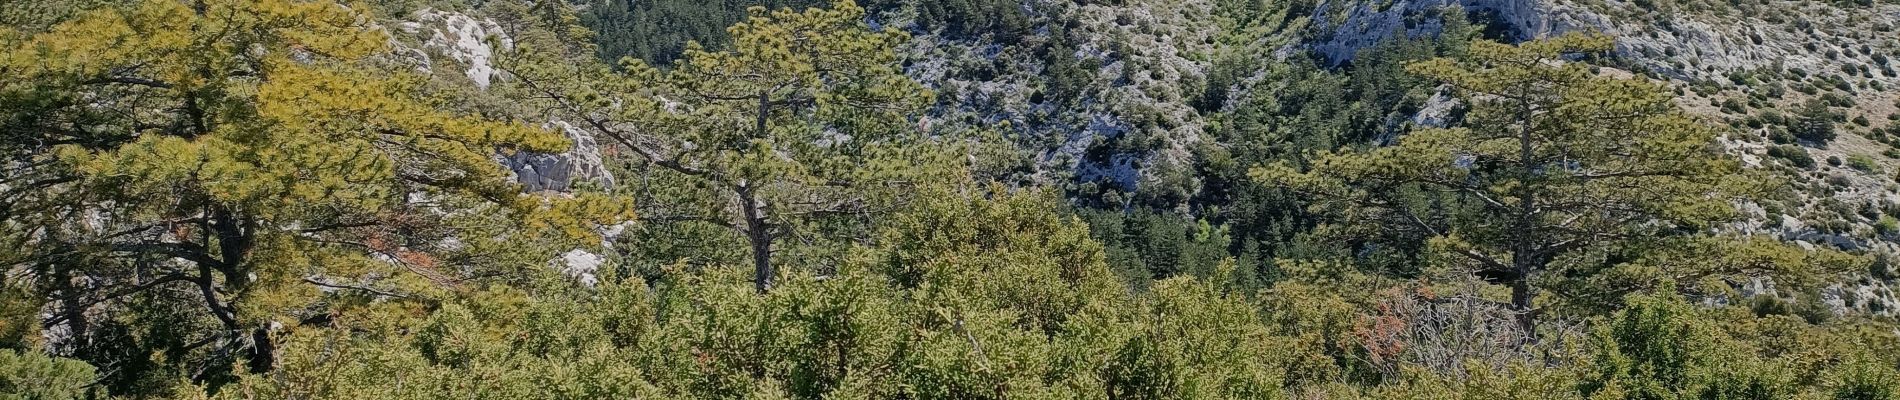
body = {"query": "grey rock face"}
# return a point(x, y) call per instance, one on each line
point(457, 40)
point(1128, 123)
point(464, 38)
point(1350, 25)
point(558, 172)
point(472, 42)
point(1682, 46)
point(581, 265)
point(1437, 110)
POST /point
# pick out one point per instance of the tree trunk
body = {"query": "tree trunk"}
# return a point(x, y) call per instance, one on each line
point(758, 233)
point(1521, 303)
point(1523, 258)
point(263, 351)
point(757, 230)
point(236, 238)
point(73, 308)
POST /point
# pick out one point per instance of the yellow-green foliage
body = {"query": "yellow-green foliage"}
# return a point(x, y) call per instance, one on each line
point(34, 376)
point(805, 121)
point(964, 324)
point(1556, 174)
point(241, 199)
point(239, 151)
point(1031, 313)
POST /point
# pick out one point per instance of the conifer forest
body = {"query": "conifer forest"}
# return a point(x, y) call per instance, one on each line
point(950, 199)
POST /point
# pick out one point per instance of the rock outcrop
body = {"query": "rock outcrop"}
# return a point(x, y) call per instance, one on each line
point(465, 38)
point(1343, 27)
point(557, 172)
point(471, 42)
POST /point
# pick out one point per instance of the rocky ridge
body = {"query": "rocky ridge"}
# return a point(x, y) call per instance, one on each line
point(464, 42)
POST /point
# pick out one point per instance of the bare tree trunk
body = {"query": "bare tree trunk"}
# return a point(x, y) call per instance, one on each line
point(73, 307)
point(758, 233)
point(236, 238)
point(757, 229)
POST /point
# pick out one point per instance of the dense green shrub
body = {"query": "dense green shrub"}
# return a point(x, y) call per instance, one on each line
point(1003, 19)
point(1147, 245)
point(1814, 122)
point(1865, 379)
point(657, 31)
point(1863, 163)
point(32, 375)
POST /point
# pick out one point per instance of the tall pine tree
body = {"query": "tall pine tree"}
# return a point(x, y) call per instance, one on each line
point(1557, 176)
point(805, 122)
point(195, 175)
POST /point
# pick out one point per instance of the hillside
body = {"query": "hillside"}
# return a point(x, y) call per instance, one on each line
point(1643, 199)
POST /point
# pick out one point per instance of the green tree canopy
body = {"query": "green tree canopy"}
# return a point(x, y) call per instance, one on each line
point(35, 376)
point(806, 120)
point(1555, 172)
point(973, 294)
point(213, 168)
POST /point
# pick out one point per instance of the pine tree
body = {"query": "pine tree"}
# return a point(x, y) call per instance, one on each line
point(805, 121)
point(1556, 171)
point(656, 31)
point(30, 375)
point(216, 167)
point(1814, 122)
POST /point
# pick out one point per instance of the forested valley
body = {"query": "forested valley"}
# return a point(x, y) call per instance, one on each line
point(957, 199)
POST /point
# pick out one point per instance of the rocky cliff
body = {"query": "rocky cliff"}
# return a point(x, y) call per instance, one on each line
point(457, 41)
